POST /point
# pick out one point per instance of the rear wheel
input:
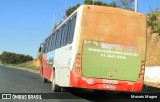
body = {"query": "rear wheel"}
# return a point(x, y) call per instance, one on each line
point(55, 87)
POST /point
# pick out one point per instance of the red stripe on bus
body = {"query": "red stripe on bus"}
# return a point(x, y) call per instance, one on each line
point(82, 82)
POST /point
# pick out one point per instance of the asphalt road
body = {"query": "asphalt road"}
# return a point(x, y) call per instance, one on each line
point(20, 81)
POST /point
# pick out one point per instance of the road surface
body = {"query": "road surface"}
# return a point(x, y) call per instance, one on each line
point(20, 81)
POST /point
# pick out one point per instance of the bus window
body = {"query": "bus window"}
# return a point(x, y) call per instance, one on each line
point(55, 41)
point(62, 35)
point(49, 47)
point(52, 40)
point(59, 38)
point(71, 33)
point(66, 32)
point(56, 44)
point(44, 47)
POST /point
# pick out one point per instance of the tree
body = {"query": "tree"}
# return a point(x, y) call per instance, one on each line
point(112, 4)
point(28, 58)
point(90, 2)
point(125, 4)
point(70, 10)
point(0, 58)
point(13, 58)
point(153, 21)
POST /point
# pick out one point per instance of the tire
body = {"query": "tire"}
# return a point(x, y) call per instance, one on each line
point(55, 87)
point(44, 80)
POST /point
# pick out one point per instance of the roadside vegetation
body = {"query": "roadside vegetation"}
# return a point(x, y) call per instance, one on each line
point(31, 65)
point(18, 60)
point(13, 58)
point(125, 4)
point(153, 38)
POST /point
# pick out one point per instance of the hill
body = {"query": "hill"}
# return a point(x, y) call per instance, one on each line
point(153, 38)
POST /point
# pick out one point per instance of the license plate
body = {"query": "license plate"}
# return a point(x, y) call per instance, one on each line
point(110, 86)
point(110, 81)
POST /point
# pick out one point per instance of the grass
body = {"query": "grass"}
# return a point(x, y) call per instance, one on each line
point(28, 65)
point(31, 65)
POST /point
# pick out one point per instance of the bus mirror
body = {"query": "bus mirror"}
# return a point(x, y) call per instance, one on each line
point(40, 49)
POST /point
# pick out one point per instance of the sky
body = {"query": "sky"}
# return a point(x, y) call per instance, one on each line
point(24, 24)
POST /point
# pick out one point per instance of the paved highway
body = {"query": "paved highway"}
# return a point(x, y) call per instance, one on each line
point(20, 81)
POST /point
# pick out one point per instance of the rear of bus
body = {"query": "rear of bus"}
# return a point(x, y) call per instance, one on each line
point(111, 50)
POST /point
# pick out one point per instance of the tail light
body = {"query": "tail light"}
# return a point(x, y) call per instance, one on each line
point(141, 74)
point(77, 67)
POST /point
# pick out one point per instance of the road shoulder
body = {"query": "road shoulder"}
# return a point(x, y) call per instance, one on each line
point(21, 68)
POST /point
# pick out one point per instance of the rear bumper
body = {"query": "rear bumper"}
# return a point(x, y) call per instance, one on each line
point(104, 84)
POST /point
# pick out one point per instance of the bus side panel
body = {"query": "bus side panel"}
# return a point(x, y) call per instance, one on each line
point(62, 61)
point(65, 56)
point(46, 70)
point(43, 61)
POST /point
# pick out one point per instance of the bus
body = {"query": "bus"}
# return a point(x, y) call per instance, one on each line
point(96, 47)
